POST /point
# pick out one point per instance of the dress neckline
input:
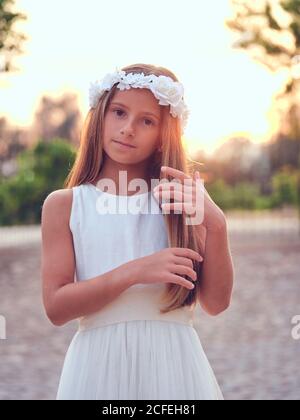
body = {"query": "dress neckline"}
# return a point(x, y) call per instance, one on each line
point(118, 195)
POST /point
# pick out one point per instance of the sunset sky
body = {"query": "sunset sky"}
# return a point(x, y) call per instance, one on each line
point(72, 43)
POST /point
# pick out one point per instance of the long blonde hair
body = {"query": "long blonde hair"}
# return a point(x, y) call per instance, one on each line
point(88, 164)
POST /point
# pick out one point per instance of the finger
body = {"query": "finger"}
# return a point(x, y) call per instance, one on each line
point(179, 208)
point(184, 261)
point(184, 270)
point(197, 175)
point(167, 208)
point(189, 202)
point(167, 170)
point(181, 281)
point(174, 185)
point(176, 195)
point(189, 253)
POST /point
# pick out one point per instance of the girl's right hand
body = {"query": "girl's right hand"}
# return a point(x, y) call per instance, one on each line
point(166, 266)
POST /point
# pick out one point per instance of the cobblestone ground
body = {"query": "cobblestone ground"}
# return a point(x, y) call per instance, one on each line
point(250, 346)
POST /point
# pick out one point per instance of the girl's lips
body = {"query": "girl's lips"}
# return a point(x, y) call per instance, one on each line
point(124, 144)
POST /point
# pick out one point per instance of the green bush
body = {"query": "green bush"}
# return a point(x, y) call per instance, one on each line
point(284, 184)
point(245, 195)
point(263, 202)
point(222, 194)
point(42, 170)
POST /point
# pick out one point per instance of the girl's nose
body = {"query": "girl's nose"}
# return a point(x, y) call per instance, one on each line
point(127, 129)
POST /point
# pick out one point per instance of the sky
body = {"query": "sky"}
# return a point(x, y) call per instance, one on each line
point(71, 43)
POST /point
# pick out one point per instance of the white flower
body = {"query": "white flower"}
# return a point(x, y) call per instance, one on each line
point(95, 92)
point(109, 80)
point(167, 91)
point(163, 88)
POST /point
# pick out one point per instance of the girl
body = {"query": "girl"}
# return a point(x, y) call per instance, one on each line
point(127, 276)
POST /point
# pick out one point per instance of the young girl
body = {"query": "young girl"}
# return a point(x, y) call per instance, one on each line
point(128, 267)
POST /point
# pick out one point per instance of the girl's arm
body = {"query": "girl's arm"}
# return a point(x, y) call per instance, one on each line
point(64, 299)
point(214, 293)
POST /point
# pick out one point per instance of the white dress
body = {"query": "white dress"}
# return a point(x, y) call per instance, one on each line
point(128, 350)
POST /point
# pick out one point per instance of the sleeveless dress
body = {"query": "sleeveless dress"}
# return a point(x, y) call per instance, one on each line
point(129, 350)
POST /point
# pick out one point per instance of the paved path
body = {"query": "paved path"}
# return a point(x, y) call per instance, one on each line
point(250, 346)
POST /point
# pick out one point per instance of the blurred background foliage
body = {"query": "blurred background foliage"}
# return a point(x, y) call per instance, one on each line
point(41, 170)
point(239, 175)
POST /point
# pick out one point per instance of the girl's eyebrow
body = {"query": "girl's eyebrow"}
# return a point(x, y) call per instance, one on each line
point(142, 112)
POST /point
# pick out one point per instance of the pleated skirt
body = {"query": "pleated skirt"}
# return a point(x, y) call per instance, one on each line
point(137, 360)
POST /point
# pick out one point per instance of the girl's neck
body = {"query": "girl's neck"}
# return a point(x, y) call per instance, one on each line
point(111, 170)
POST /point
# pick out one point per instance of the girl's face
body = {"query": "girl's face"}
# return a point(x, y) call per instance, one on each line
point(133, 118)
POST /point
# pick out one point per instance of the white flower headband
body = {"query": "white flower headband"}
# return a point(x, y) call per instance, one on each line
point(163, 88)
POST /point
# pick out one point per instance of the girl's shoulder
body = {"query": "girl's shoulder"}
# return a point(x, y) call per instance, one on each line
point(58, 203)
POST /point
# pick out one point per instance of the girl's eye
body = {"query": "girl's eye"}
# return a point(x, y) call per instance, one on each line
point(118, 110)
point(122, 112)
point(151, 122)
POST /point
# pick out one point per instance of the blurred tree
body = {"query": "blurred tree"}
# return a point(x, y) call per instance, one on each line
point(10, 40)
point(270, 31)
point(41, 170)
point(235, 160)
point(285, 187)
point(283, 151)
point(222, 194)
point(12, 142)
point(58, 117)
point(245, 195)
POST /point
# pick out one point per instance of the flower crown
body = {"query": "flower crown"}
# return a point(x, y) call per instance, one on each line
point(163, 88)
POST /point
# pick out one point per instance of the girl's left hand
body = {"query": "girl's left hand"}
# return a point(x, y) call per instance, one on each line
point(190, 198)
